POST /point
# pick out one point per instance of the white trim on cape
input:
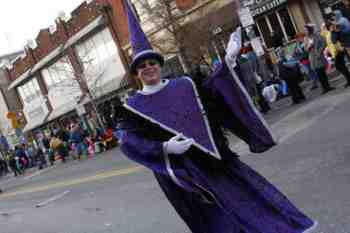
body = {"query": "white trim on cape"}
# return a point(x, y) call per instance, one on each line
point(204, 114)
point(312, 228)
point(170, 170)
point(215, 154)
point(250, 102)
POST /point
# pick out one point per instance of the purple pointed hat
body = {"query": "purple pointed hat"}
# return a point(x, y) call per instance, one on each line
point(141, 48)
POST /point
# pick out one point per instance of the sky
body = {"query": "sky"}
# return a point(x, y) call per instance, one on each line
point(21, 20)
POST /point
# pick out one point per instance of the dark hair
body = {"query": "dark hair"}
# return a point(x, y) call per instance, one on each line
point(310, 29)
point(134, 82)
point(328, 24)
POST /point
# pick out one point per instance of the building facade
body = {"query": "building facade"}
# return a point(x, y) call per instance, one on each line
point(283, 17)
point(85, 55)
point(69, 65)
point(206, 25)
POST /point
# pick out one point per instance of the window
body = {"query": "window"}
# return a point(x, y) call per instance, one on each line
point(110, 44)
point(97, 49)
point(100, 59)
point(287, 23)
point(265, 31)
point(29, 91)
point(61, 71)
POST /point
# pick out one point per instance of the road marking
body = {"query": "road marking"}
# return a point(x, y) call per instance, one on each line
point(73, 182)
point(52, 199)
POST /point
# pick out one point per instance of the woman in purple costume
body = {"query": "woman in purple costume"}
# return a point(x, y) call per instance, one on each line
point(177, 128)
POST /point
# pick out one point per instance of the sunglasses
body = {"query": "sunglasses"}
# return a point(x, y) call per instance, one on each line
point(146, 63)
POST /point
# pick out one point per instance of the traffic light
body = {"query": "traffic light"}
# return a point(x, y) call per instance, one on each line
point(12, 116)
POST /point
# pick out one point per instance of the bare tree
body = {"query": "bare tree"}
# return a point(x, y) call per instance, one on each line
point(174, 33)
point(89, 77)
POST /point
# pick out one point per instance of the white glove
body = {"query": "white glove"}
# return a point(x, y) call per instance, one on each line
point(234, 46)
point(175, 146)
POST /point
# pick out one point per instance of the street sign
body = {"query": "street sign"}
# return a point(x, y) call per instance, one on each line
point(245, 17)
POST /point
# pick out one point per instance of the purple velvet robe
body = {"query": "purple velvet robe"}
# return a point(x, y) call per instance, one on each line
point(209, 187)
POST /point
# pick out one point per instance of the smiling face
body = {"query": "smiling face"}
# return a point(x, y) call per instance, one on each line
point(148, 72)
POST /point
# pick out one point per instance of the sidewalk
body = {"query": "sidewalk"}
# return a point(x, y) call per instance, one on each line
point(10, 176)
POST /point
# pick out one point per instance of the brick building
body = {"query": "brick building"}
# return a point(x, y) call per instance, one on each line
point(85, 55)
point(207, 24)
point(69, 64)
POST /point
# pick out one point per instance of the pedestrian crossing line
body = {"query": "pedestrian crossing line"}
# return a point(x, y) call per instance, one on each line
point(66, 183)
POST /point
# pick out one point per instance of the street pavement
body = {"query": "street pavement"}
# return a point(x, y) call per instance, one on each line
point(108, 193)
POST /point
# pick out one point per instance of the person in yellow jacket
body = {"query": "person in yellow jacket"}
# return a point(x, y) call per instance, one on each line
point(57, 146)
point(327, 35)
point(337, 50)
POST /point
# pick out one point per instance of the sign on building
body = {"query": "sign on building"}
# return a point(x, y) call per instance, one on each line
point(245, 17)
point(266, 5)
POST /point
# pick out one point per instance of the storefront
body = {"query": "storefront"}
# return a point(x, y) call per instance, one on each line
point(273, 17)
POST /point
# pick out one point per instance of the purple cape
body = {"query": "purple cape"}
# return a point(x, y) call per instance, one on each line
point(257, 134)
point(210, 195)
point(177, 109)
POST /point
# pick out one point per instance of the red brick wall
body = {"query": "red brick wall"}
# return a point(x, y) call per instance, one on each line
point(82, 16)
point(21, 65)
point(120, 21)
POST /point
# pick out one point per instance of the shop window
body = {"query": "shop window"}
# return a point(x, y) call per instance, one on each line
point(61, 71)
point(29, 91)
point(275, 24)
point(265, 31)
point(97, 49)
point(287, 23)
point(100, 59)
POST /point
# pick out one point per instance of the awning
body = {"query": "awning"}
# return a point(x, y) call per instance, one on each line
point(35, 123)
point(66, 108)
point(20, 79)
point(57, 51)
point(61, 111)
